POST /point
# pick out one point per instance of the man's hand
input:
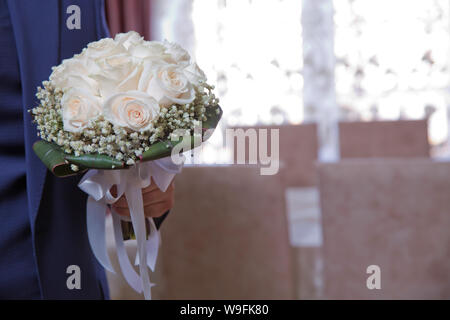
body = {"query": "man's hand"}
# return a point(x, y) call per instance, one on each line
point(156, 202)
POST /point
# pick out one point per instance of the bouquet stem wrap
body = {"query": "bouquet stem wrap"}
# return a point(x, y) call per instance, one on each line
point(129, 182)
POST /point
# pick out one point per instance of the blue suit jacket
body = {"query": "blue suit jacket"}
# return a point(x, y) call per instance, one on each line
point(56, 207)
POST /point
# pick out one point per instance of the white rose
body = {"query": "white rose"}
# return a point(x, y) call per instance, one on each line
point(78, 107)
point(194, 74)
point(73, 73)
point(117, 73)
point(131, 38)
point(103, 48)
point(177, 53)
point(167, 84)
point(150, 50)
point(134, 110)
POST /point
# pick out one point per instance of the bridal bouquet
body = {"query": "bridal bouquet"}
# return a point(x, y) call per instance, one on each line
point(119, 110)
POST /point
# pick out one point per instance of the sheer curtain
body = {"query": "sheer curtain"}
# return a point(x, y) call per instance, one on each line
point(393, 62)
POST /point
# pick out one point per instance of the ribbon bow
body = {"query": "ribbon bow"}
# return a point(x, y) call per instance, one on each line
point(129, 182)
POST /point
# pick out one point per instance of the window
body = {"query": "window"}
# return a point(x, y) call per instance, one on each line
point(392, 61)
point(384, 59)
point(252, 50)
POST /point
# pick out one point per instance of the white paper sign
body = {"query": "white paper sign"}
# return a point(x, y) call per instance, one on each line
point(303, 214)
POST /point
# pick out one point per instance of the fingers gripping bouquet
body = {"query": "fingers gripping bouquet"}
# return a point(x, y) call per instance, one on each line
point(118, 110)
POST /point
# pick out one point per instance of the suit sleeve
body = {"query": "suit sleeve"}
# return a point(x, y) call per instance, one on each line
point(102, 24)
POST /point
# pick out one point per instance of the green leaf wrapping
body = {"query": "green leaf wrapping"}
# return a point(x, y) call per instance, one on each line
point(59, 162)
point(213, 115)
point(96, 161)
point(53, 158)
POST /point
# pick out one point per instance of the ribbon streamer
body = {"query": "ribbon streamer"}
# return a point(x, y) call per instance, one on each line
point(129, 182)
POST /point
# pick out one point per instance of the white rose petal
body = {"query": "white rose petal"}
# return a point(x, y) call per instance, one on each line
point(194, 74)
point(167, 84)
point(178, 54)
point(134, 110)
point(78, 107)
point(117, 73)
point(128, 39)
point(103, 48)
point(73, 73)
point(150, 50)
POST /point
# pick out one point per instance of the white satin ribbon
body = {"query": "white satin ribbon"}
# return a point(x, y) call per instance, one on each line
point(129, 182)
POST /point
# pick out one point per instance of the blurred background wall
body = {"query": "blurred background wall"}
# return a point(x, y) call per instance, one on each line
point(359, 91)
